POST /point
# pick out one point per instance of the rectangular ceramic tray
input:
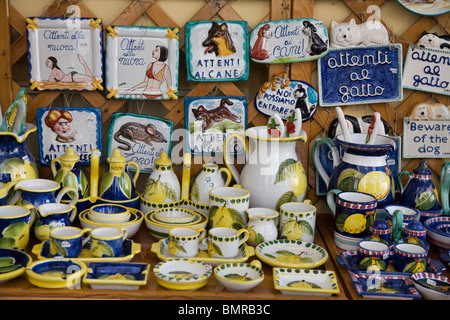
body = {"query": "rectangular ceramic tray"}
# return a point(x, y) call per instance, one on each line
point(305, 282)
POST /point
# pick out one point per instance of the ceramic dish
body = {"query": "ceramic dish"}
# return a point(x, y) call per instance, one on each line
point(175, 215)
point(56, 274)
point(291, 254)
point(182, 274)
point(109, 220)
point(116, 276)
point(432, 286)
point(239, 277)
point(129, 250)
point(438, 231)
point(386, 286)
point(12, 264)
point(305, 282)
point(197, 219)
point(109, 211)
point(162, 251)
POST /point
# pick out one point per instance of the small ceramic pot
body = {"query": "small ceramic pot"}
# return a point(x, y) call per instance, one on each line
point(373, 255)
point(409, 257)
point(183, 242)
point(107, 242)
point(298, 221)
point(380, 231)
point(53, 215)
point(209, 178)
point(68, 241)
point(225, 242)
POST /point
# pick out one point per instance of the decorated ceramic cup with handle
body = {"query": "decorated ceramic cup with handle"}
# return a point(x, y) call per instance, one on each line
point(225, 242)
point(183, 241)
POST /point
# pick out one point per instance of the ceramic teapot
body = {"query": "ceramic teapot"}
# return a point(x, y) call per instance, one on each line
point(363, 167)
point(210, 177)
point(272, 173)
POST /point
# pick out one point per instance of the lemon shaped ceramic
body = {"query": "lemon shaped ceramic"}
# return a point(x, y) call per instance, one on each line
point(239, 277)
point(56, 274)
point(291, 254)
point(182, 274)
point(12, 264)
point(175, 215)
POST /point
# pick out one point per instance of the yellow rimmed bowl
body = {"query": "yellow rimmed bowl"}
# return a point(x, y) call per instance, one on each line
point(182, 274)
point(56, 274)
point(108, 211)
point(175, 215)
point(239, 277)
point(12, 264)
point(108, 220)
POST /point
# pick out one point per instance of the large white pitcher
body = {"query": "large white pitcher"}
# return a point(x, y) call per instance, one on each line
point(273, 173)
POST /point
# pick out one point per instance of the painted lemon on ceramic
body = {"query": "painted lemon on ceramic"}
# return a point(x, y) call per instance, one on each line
point(69, 179)
point(109, 183)
point(255, 237)
point(42, 231)
point(157, 191)
point(349, 179)
point(415, 266)
point(117, 276)
point(56, 248)
point(8, 264)
point(415, 240)
point(303, 284)
point(214, 249)
point(238, 277)
point(354, 223)
point(286, 256)
point(293, 229)
point(19, 169)
point(181, 275)
point(15, 236)
point(372, 263)
point(225, 217)
point(100, 249)
point(174, 247)
point(426, 200)
point(376, 183)
point(294, 171)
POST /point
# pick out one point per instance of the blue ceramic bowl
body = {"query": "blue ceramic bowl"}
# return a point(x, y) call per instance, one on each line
point(13, 264)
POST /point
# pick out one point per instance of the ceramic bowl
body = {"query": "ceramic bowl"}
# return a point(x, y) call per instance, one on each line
point(438, 231)
point(196, 220)
point(109, 211)
point(56, 274)
point(431, 286)
point(175, 215)
point(131, 203)
point(182, 274)
point(239, 277)
point(12, 264)
point(409, 213)
point(110, 219)
point(133, 225)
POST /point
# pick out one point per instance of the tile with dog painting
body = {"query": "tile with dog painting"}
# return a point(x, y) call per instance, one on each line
point(282, 95)
point(59, 128)
point(140, 138)
point(288, 41)
point(217, 51)
point(141, 63)
point(65, 53)
point(209, 120)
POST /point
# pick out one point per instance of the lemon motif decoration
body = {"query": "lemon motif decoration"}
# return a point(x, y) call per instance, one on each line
point(157, 191)
point(303, 284)
point(286, 256)
point(15, 236)
point(174, 247)
point(291, 169)
point(101, 249)
point(294, 230)
point(8, 264)
point(117, 276)
point(225, 217)
point(426, 200)
point(214, 249)
point(415, 266)
point(238, 277)
point(376, 183)
point(372, 264)
point(356, 223)
point(19, 169)
point(349, 179)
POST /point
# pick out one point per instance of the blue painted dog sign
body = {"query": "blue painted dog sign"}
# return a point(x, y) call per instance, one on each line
point(360, 75)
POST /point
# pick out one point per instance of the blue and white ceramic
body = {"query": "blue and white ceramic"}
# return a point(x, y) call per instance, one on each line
point(432, 286)
point(380, 231)
point(68, 242)
point(15, 224)
point(13, 264)
point(410, 257)
point(415, 232)
point(373, 255)
point(108, 242)
point(438, 231)
point(409, 213)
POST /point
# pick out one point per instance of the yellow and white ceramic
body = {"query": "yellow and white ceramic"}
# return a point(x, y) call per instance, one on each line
point(305, 282)
point(209, 178)
point(262, 225)
point(239, 277)
point(12, 264)
point(56, 274)
point(182, 274)
point(109, 220)
point(298, 221)
point(175, 215)
point(225, 242)
point(184, 241)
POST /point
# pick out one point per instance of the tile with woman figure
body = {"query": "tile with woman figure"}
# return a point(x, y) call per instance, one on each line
point(141, 63)
point(59, 128)
point(65, 54)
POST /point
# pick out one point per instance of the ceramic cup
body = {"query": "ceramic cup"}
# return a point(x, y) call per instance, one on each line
point(68, 241)
point(227, 207)
point(409, 213)
point(183, 242)
point(409, 257)
point(372, 255)
point(225, 242)
point(15, 223)
point(298, 221)
point(107, 242)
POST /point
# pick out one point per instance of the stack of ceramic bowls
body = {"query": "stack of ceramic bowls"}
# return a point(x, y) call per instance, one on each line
point(160, 221)
point(112, 215)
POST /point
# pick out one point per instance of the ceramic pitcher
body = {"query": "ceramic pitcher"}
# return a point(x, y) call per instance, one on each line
point(210, 177)
point(53, 215)
point(363, 167)
point(272, 173)
point(261, 225)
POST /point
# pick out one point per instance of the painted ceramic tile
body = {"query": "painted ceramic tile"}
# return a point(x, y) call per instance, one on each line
point(282, 95)
point(287, 41)
point(64, 57)
point(59, 128)
point(142, 63)
point(360, 75)
point(217, 51)
point(427, 70)
point(425, 7)
point(141, 138)
point(209, 120)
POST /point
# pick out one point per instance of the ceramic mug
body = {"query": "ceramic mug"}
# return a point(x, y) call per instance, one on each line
point(107, 242)
point(68, 241)
point(225, 242)
point(298, 221)
point(372, 255)
point(15, 223)
point(410, 257)
point(183, 242)
point(227, 207)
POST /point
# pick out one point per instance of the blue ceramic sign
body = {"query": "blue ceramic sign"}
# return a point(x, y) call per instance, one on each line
point(361, 75)
point(217, 51)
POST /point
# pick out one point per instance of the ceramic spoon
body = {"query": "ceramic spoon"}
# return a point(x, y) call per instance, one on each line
point(445, 185)
point(343, 124)
point(374, 127)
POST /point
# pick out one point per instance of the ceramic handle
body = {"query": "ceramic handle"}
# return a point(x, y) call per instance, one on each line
point(202, 234)
point(445, 186)
point(136, 174)
point(53, 166)
point(243, 232)
point(228, 174)
point(227, 157)
point(32, 212)
point(88, 237)
point(73, 213)
point(331, 199)
point(397, 225)
point(124, 233)
point(17, 194)
point(399, 179)
point(335, 157)
point(68, 190)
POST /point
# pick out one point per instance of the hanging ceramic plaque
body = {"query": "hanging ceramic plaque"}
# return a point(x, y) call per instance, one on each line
point(359, 75)
point(282, 95)
point(64, 55)
point(217, 51)
point(142, 63)
point(426, 7)
point(59, 128)
point(141, 138)
point(209, 120)
point(287, 41)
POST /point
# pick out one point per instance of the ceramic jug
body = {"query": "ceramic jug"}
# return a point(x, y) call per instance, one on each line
point(117, 183)
point(53, 215)
point(445, 186)
point(162, 184)
point(262, 225)
point(272, 173)
point(210, 177)
point(420, 192)
point(70, 173)
point(363, 167)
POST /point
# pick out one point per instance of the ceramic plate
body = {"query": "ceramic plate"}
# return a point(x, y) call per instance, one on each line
point(116, 276)
point(438, 231)
point(291, 254)
point(431, 286)
point(426, 8)
point(12, 264)
point(162, 251)
point(305, 282)
point(385, 286)
point(61, 57)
